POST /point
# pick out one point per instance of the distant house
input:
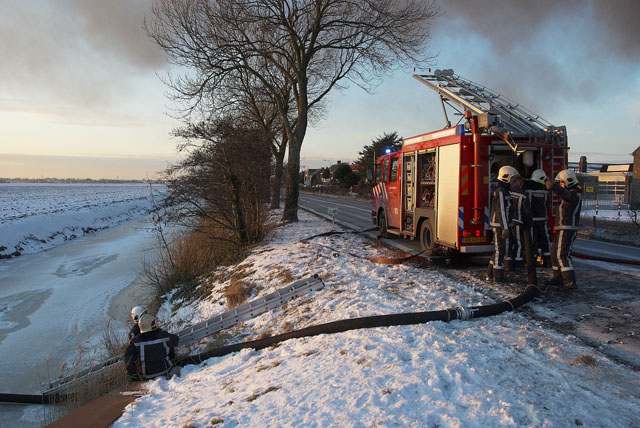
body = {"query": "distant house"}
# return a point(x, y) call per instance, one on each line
point(611, 182)
point(312, 177)
point(614, 182)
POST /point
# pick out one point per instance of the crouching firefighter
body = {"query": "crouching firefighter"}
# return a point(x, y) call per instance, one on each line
point(500, 223)
point(566, 227)
point(151, 353)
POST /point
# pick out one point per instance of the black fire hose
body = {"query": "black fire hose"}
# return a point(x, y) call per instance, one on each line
point(605, 259)
point(446, 315)
point(34, 398)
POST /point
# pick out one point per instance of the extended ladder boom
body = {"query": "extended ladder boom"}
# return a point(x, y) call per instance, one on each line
point(501, 113)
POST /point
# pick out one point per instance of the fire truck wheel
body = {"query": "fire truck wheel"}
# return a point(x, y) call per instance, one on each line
point(382, 225)
point(426, 236)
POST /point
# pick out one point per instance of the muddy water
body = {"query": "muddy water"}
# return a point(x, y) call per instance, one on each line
point(56, 305)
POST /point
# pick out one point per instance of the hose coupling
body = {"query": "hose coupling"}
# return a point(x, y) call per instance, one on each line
point(463, 313)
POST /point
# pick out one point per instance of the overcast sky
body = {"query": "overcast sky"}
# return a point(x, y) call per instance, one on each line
point(80, 94)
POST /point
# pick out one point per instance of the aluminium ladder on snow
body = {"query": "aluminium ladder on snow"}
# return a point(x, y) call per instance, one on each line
point(468, 95)
point(248, 310)
point(202, 329)
point(60, 386)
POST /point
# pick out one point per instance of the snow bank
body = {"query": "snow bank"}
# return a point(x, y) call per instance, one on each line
point(625, 216)
point(506, 370)
point(36, 217)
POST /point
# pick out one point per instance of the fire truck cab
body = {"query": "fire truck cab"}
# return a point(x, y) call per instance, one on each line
point(438, 186)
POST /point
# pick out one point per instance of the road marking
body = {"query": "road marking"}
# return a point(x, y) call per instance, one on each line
point(340, 223)
point(340, 205)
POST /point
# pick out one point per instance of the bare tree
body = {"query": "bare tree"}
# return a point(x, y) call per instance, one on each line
point(256, 105)
point(222, 184)
point(313, 45)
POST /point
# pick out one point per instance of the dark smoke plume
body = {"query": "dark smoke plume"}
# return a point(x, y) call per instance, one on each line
point(568, 48)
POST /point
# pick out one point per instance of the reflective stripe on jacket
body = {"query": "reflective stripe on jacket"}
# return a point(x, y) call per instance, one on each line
point(568, 211)
point(538, 196)
point(500, 207)
point(151, 354)
point(520, 210)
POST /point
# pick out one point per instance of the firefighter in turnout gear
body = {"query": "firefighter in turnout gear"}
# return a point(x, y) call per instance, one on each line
point(566, 227)
point(538, 196)
point(500, 224)
point(522, 249)
point(152, 352)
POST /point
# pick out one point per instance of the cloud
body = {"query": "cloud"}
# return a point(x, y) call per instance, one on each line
point(610, 26)
point(545, 51)
point(617, 21)
point(116, 27)
point(82, 53)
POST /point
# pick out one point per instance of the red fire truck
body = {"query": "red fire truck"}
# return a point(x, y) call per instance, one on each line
point(437, 187)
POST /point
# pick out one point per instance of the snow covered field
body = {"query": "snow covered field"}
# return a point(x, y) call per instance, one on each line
point(502, 371)
point(35, 217)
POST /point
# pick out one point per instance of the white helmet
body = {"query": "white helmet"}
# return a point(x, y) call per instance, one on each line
point(539, 175)
point(568, 177)
point(137, 312)
point(147, 323)
point(506, 172)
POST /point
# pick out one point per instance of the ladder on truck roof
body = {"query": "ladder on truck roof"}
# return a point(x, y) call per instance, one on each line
point(501, 115)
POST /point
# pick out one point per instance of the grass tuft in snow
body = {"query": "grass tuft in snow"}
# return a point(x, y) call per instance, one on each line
point(257, 395)
point(587, 360)
point(237, 292)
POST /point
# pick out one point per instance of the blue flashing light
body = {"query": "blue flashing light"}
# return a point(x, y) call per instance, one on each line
point(460, 129)
point(387, 150)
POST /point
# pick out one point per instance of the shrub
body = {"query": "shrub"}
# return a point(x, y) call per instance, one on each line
point(187, 258)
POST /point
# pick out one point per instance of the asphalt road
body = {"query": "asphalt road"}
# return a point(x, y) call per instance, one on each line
point(353, 215)
point(356, 215)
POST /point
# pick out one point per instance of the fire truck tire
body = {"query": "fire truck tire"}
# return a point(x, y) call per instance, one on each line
point(382, 225)
point(426, 236)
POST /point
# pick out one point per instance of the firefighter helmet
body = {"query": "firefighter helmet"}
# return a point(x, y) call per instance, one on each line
point(137, 312)
point(506, 172)
point(568, 177)
point(540, 176)
point(147, 323)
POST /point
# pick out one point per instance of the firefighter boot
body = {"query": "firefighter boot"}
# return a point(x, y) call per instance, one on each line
point(569, 279)
point(517, 265)
point(532, 276)
point(498, 275)
point(556, 279)
point(508, 264)
point(546, 261)
point(489, 276)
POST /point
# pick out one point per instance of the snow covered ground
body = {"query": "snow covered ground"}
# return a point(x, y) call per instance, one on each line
point(35, 217)
point(506, 370)
point(625, 216)
point(56, 304)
